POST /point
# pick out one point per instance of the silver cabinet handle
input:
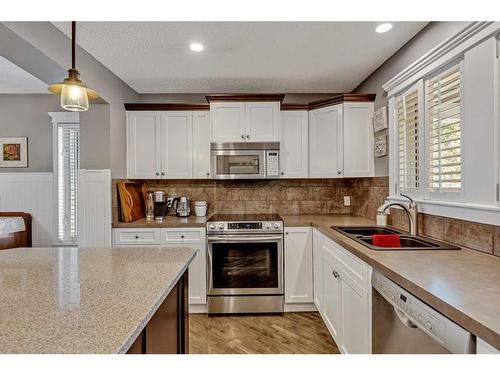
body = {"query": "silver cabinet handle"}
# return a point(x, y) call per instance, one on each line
point(243, 136)
point(248, 136)
point(157, 173)
point(208, 173)
point(163, 173)
point(339, 172)
point(335, 274)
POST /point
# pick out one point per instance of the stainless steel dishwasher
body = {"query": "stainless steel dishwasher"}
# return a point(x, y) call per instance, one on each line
point(401, 323)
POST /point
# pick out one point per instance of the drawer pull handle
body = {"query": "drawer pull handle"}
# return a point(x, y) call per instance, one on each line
point(136, 236)
point(335, 274)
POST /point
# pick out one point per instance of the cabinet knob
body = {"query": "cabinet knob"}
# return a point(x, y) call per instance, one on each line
point(248, 136)
point(243, 136)
point(287, 233)
point(282, 173)
point(136, 236)
point(157, 173)
point(339, 172)
point(163, 173)
point(335, 274)
point(182, 236)
point(208, 173)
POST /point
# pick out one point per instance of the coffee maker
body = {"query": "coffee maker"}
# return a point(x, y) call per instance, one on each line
point(160, 205)
point(180, 205)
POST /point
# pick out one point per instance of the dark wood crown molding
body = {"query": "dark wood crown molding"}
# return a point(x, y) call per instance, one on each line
point(294, 106)
point(245, 97)
point(342, 98)
point(167, 107)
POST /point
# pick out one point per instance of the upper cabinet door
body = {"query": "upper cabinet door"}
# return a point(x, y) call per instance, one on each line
point(228, 122)
point(358, 140)
point(262, 121)
point(201, 144)
point(144, 144)
point(326, 146)
point(293, 144)
point(177, 142)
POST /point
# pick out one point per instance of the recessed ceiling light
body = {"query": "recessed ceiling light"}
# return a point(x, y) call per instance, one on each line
point(196, 47)
point(383, 27)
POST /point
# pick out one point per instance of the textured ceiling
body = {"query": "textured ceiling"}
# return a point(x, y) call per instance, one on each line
point(14, 80)
point(308, 57)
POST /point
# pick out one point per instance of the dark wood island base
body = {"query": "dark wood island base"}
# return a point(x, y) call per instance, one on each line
point(167, 332)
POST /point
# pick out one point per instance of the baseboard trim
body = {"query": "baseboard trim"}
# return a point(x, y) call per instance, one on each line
point(300, 307)
point(198, 309)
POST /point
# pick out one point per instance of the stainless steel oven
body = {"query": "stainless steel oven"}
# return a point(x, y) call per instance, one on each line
point(245, 265)
point(244, 160)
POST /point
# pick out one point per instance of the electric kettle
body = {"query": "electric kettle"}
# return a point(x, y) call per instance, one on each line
point(181, 206)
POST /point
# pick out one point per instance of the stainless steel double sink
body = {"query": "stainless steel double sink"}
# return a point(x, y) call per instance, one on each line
point(364, 236)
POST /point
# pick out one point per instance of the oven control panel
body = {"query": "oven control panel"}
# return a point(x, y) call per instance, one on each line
point(246, 227)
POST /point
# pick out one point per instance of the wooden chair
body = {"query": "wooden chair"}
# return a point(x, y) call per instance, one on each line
point(18, 239)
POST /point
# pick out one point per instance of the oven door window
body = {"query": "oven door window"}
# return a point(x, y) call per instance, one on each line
point(239, 164)
point(245, 265)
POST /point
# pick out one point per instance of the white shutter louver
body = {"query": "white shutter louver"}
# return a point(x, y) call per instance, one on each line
point(408, 140)
point(444, 96)
point(68, 136)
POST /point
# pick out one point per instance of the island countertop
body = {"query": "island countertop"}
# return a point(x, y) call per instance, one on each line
point(83, 300)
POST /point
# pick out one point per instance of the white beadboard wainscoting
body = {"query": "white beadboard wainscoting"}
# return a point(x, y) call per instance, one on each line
point(94, 208)
point(31, 193)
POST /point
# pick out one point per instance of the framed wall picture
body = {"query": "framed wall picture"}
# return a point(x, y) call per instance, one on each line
point(14, 152)
point(380, 143)
point(380, 120)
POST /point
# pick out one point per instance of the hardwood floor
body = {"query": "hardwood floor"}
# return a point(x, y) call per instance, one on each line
point(290, 333)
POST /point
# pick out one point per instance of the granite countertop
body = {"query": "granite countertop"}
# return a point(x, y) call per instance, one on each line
point(88, 300)
point(463, 285)
point(168, 222)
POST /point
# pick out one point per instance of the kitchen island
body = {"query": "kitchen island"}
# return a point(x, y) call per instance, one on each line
point(94, 300)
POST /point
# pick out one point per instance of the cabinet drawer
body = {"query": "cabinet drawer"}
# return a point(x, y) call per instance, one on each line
point(351, 265)
point(184, 235)
point(137, 236)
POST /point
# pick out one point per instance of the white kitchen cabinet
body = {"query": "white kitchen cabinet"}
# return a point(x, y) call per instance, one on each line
point(298, 265)
point(344, 295)
point(318, 269)
point(332, 300)
point(144, 130)
point(326, 147)
point(177, 144)
point(227, 121)
point(201, 144)
point(262, 121)
point(358, 139)
point(245, 122)
point(294, 144)
point(482, 347)
point(193, 238)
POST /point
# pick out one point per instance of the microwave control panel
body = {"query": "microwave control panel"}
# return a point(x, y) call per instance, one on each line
point(273, 164)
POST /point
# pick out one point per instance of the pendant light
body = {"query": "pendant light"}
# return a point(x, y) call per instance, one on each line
point(75, 95)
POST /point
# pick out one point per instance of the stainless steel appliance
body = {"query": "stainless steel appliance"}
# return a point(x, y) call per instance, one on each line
point(160, 205)
point(401, 323)
point(245, 264)
point(245, 160)
point(181, 206)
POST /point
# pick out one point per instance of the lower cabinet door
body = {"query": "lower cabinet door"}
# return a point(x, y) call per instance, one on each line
point(197, 273)
point(355, 318)
point(332, 302)
point(298, 265)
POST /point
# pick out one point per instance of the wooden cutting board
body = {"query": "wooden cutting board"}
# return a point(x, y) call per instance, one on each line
point(132, 200)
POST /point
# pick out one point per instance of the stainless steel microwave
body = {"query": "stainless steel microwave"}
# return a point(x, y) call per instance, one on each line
point(244, 160)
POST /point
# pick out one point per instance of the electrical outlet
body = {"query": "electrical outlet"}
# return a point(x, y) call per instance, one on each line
point(347, 200)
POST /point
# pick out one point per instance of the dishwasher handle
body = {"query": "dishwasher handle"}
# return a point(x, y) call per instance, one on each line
point(403, 318)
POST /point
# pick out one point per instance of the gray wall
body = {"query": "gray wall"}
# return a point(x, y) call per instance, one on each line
point(52, 43)
point(425, 40)
point(26, 116)
point(95, 137)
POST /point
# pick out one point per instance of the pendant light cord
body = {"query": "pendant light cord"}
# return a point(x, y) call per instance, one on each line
point(73, 43)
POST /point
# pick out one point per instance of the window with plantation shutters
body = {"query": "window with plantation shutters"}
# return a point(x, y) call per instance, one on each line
point(68, 164)
point(443, 124)
point(408, 140)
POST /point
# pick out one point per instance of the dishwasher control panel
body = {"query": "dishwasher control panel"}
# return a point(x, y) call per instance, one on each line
point(419, 314)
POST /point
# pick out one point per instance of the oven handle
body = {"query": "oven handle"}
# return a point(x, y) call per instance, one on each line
point(244, 239)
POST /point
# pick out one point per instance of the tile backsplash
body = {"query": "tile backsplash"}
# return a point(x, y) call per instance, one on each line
point(321, 196)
